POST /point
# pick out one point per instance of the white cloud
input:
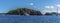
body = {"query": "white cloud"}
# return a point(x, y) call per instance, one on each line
point(49, 6)
point(31, 4)
point(58, 5)
point(52, 6)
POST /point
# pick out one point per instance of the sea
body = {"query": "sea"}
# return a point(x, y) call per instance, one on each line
point(29, 19)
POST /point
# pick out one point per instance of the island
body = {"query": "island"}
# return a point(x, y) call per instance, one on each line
point(24, 11)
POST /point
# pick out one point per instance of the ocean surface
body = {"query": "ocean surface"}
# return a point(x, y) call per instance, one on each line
point(29, 19)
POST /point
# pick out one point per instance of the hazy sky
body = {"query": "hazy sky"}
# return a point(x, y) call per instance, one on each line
point(41, 5)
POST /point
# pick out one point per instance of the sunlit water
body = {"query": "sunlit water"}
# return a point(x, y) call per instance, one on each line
point(29, 19)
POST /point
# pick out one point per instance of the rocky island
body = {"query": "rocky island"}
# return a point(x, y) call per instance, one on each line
point(24, 11)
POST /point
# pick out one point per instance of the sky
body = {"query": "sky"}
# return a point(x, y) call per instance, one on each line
point(40, 5)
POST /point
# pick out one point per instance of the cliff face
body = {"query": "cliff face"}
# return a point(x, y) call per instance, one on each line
point(22, 11)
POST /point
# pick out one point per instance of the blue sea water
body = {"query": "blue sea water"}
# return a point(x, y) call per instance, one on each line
point(29, 19)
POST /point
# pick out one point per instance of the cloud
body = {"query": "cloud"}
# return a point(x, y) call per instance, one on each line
point(58, 5)
point(31, 4)
point(52, 11)
point(49, 6)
